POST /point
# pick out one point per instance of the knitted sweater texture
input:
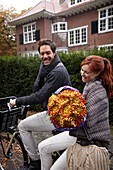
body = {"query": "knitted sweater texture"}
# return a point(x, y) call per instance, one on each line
point(89, 157)
point(96, 126)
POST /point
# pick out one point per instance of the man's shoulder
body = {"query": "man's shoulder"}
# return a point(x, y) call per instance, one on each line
point(59, 67)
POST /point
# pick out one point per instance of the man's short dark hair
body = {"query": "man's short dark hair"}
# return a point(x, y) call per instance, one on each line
point(46, 42)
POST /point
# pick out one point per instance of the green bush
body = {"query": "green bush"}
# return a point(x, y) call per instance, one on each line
point(17, 74)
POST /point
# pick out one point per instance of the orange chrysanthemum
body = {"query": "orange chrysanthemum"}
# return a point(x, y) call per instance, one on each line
point(67, 109)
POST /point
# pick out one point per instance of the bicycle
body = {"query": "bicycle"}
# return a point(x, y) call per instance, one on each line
point(14, 154)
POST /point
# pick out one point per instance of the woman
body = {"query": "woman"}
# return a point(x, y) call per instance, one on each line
point(96, 72)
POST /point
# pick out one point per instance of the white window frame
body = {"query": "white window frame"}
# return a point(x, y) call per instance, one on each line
point(62, 49)
point(106, 46)
point(106, 18)
point(58, 24)
point(29, 53)
point(74, 32)
point(32, 32)
point(75, 2)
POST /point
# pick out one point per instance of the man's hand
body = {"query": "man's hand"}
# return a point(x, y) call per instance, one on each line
point(12, 102)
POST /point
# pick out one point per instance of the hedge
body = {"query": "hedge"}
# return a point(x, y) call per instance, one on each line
point(17, 74)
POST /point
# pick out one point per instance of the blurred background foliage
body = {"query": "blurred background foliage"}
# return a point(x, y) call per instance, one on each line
point(17, 74)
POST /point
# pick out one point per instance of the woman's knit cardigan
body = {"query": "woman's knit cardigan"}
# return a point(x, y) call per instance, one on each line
point(96, 126)
point(89, 157)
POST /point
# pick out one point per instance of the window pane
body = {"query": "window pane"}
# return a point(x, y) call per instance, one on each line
point(25, 37)
point(29, 28)
point(34, 35)
point(25, 29)
point(62, 27)
point(71, 37)
point(110, 48)
point(33, 27)
point(55, 27)
point(75, 2)
point(102, 25)
point(30, 37)
point(102, 13)
point(79, 1)
point(83, 35)
point(110, 11)
point(110, 23)
point(72, 2)
point(77, 36)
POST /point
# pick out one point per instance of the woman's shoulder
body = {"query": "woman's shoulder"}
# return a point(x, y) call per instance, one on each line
point(94, 84)
point(96, 88)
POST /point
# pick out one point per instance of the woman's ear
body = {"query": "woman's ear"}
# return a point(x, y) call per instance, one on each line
point(97, 73)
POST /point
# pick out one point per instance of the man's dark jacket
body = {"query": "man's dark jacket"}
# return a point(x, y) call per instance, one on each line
point(49, 79)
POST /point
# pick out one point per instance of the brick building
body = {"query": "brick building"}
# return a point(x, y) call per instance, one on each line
point(71, 24)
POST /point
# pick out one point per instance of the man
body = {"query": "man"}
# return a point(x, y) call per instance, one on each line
point(52, 75)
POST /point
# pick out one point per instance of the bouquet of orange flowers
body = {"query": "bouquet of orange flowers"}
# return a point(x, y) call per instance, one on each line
point(66, 108)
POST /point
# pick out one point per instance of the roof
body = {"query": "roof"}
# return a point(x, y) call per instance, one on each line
point(86, 6)
point(45, 9)
point(42, 9)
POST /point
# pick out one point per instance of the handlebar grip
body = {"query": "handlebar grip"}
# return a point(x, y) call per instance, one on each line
point(10, 108)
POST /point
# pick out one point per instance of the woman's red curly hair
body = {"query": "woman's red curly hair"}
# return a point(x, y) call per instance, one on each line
point(103, 66)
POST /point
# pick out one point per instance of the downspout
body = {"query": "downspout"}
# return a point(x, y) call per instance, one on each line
point(51, 28)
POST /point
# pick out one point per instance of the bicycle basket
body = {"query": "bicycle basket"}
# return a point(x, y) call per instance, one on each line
point(8, 117)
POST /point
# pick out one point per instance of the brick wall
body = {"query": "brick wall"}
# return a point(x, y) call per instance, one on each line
point(74, 21)
point(81, 20)
point(44, 25)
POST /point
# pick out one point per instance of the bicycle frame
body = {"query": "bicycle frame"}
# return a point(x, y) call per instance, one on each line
point(1, 167)
point(8, 147)
point(11, 143)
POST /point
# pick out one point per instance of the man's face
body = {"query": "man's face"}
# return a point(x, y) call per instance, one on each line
point(46, 54)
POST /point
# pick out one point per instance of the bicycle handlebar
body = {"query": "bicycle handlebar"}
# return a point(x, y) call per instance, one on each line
point(9, 115)
point(10, 108)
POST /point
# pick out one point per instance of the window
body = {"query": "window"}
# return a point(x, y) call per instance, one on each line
point(63, 26)
point(62, 49)
point(55, 28)
point(29, 33)
point(77, 36)
point(71, 37)
point(72, 2)
point(106, 47)
point(59, 27)
point(105, 16)
point(76, 2)
point(30, 53)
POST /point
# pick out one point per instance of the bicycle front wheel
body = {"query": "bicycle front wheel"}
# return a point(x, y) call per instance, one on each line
point(16, 155)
